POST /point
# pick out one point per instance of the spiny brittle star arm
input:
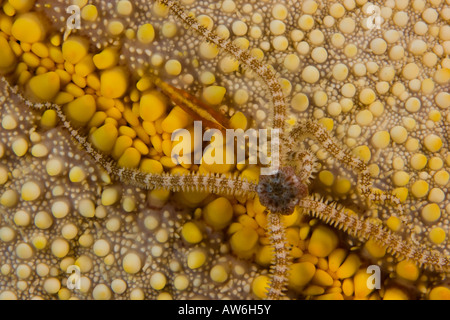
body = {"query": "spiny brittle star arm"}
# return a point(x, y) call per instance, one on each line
point(304, 162)
point(262, 70)
point(213, 183)
point(365, 229)
point(330, 144)
point(280, 266)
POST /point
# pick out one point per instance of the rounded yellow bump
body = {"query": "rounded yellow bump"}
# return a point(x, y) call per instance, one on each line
point(77, 174)
point(323, 241)
point(300, 274)
point(158, 281)
point(238, 121)
point(22, 218)
point(342, 186)
point(349, 267)
point(367, 96)
point(89, 13)
point(218, 213)
point(69, 231)
point(30, 191)
point(244, 240)
point(326, 177)
point(208, 50)
point(431, 212)
point(420, 188)
point(322, 278)
point(441, 177)
point(394, 223)
point(362, 152)
point(8, 295)
point(374, 249)
point(101, 292)
point(400, 178)
point(340, 72)
point(43, 220)
point(401, 193)
point(45, 86)
point(177, 119)
point(84, 263)
point(7, 56)
point(260, 285)
point(131, 263)
point(435, 163)
point(395, 294)
point(228, 64)
point(442, 99)
point(9, 198)
point(381, 139)
point(110, 196)
point(291, 62)
point(105, 137)
point(146, 33)
point(74, 49)
point(196, 259)
point(86, 208)
point(360, 283)
point(152, 106)
point(130, 158)
point(181, 282)
point(28, 27)
point(306, 22)
point(81, 110)
point(439, 293)
point(218, 274)
point(442, 76)
point(399, 134)
point(407, 270)
point(60, 248)
point(413, 105)
point(118, 286)
point(24, 251)
point(191, 233)
point(7, 234)
point(310, 74)
point(437, 235)
point(151, 166)
point(52, 285)
point(214, 94)
point(106, 59)
point(300, 102)
point(114, 82)
point(173, 67)
point(436, 195)
point(23, 271)
point(101, 247)
point(433, 143)
point(418, 161)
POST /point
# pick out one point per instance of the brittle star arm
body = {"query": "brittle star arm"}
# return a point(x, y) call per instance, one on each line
point(304, 162)
point(320, 134)
point(213, 183)
point(365, 229)
point(280, 267)
point(266, 73)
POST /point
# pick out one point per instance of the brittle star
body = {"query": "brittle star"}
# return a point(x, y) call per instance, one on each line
point(282, 191)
